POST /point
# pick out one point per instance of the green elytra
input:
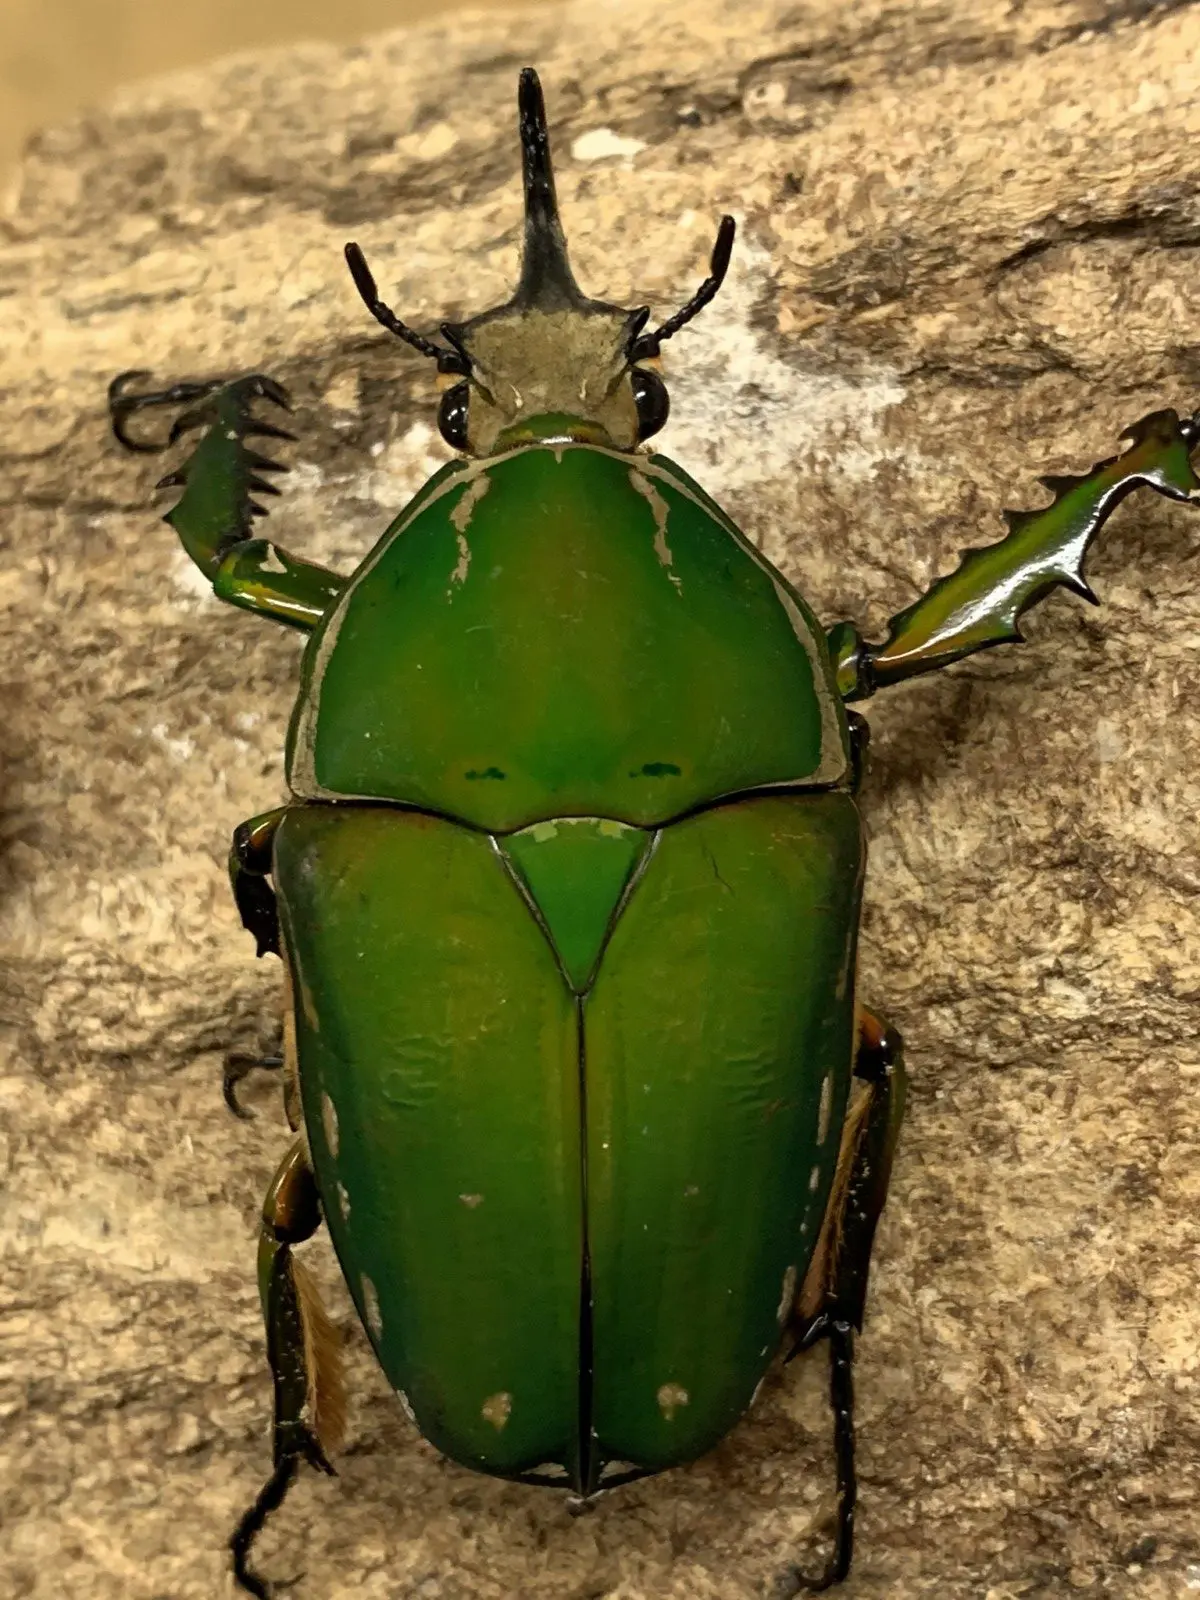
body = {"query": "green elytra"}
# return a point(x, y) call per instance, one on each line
point(568, 893)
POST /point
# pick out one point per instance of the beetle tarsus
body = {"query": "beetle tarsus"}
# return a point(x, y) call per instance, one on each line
point(841, 1395)
point(269, 1499)
point(238, 1067)
point(122, 405)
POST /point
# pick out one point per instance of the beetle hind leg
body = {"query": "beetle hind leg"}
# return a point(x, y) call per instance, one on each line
point(831, 1301)
point(237, 1067)
point(303, 1351)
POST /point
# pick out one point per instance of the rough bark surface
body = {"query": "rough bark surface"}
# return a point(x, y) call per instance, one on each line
point(968, 256)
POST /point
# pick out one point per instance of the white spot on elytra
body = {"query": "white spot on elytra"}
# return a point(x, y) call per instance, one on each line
point(670, 1398)
point(271, 561)
point(826, 1109)
point(497, 1409)
point(329, 1121)
point(371, 1309)
point(471, 1200)
point(601, 144)
point(343, 1201)
point(787, 1296)
point(814, 1179)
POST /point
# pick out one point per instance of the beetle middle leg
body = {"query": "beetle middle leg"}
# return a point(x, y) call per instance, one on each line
point(249, 872)
point(302, 1348)
point(831, 1301)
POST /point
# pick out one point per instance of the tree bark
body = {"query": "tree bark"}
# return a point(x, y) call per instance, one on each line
point(967, 256)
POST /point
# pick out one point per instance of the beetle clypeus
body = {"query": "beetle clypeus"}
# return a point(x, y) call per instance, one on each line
point(567, 896)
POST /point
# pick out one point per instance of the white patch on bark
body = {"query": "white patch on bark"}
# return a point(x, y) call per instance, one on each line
point(1108, 741)
point(271, 561)
point(181, 749)
point(601, 144)
point(745, 417)
point(193, 587)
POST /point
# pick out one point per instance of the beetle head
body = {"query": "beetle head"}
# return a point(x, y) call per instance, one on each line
point(549, 362)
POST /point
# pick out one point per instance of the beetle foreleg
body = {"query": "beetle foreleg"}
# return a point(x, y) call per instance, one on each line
point(981, 602)
point(831, 1301)
point(220, 480)
point(303, 1351)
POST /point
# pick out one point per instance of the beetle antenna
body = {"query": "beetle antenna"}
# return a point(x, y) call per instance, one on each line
point(364, 281)
point(649, 343)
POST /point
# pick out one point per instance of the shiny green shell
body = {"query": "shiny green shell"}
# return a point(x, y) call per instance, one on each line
point(564, 630)
point(574, 995)
point(573, 1223)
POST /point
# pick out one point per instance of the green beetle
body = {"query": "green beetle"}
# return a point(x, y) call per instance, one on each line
point(567, 895)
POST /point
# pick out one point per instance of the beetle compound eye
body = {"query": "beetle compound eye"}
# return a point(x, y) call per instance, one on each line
point(651, 399)
point(452, 415)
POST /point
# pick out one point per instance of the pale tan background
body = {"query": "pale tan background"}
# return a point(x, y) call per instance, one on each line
point(57, 56)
